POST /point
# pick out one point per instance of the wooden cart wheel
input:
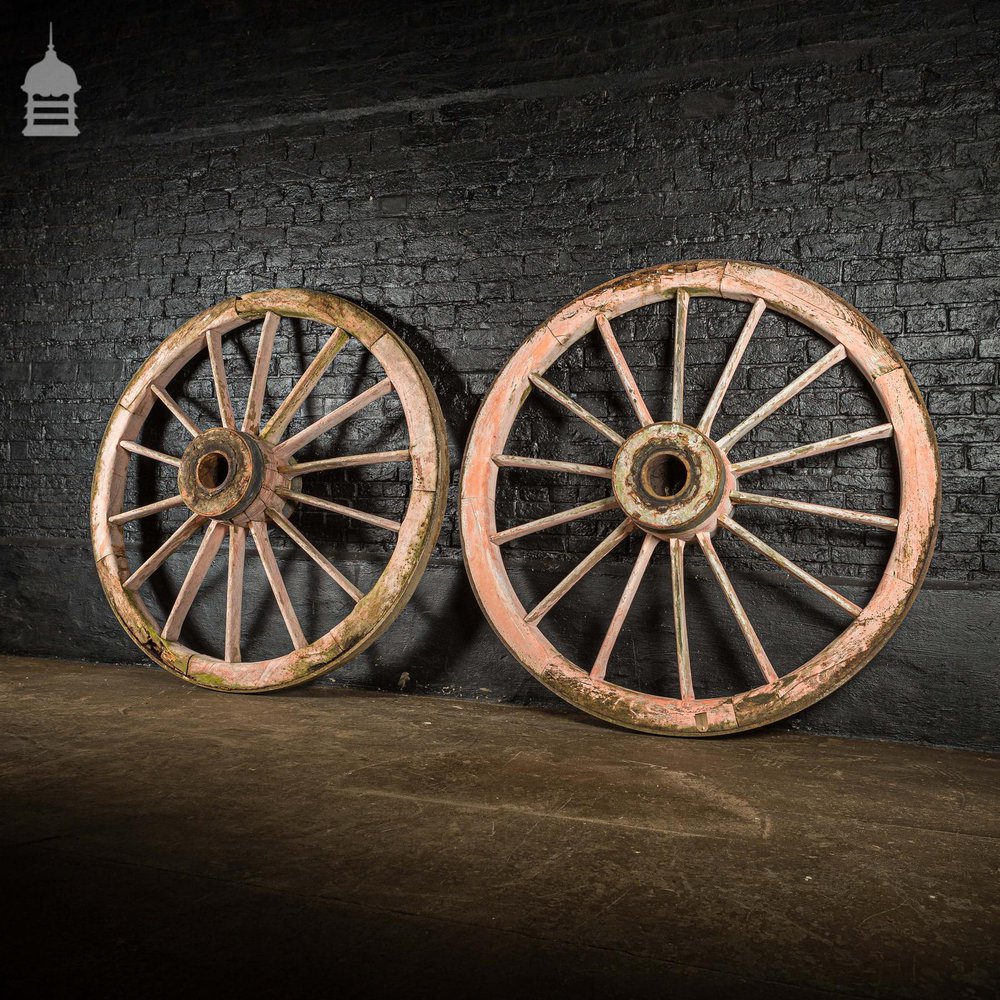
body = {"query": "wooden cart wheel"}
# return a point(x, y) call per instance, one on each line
point(239, 478)
point(674, 482)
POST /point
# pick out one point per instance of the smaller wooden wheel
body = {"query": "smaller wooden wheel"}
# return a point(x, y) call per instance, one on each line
point(673, 481)
point(239, 478)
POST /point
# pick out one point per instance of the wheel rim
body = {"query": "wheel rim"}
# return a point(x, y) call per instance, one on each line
point(239, 478)
point(853, 338)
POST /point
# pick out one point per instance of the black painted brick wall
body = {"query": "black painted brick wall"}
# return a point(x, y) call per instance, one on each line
point(463, 172)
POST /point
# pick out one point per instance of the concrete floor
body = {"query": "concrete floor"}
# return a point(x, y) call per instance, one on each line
point(158, 838)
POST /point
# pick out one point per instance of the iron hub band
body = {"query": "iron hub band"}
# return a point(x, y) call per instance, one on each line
point(669, 478)
point(221, 473)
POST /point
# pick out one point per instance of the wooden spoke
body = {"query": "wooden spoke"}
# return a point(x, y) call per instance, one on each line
point(624, 372)
point(258, 383)
point(317, 557)
point(550, 465)
point(733, 362)
point(214, 340)
point(575, 408)
point(816, 448)
point(552, 520)
point(196, 573)
point(736, 606)
point(582, 568)
point(600, 667)
point(789, 567)
point(680, 338)
point(259, 531)
point(338, 508)
point(150, 508)
point(171, 404)
point(171, 545)
point(292, 403)
point(347, 461)
point(835, 513)
point(234, 591)
point(680, 619)
point(159, 456)
point(779, 399)
point(285, 450)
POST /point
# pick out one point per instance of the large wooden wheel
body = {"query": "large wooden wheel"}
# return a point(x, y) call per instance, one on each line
point(238, 478)
point(673, 481)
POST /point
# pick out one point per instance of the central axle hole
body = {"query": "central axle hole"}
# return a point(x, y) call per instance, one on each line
point(666, 475)
point(212, 471)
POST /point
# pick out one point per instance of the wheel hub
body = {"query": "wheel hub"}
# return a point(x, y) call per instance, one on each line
point(671, 480)
point(223, 473)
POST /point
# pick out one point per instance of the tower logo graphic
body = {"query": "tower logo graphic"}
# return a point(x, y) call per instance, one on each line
point(51, 88)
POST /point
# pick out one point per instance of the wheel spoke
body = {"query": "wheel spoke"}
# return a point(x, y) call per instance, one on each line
point(551, 465)
point(835, 513)
point(758, 545)
point(288, 448)
point(171, 545)
point(582, 568)
point(680, 338)
point(291, 404)
point(600, 667)
point(159, 456)
point(214, 340)
point(347, 461)
point(339, 508)
point(150, 508)
point(815, 448)
point(552, 520)
point(258, 383)
point(736, 606)
point(263, 544)
point(624, 372)
point(317, 557)
point(726, 378)
point(170, 403)
point(196, 573)
point(575, 408)
point(234, 591)
point(680, 619)
point(779, 399)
